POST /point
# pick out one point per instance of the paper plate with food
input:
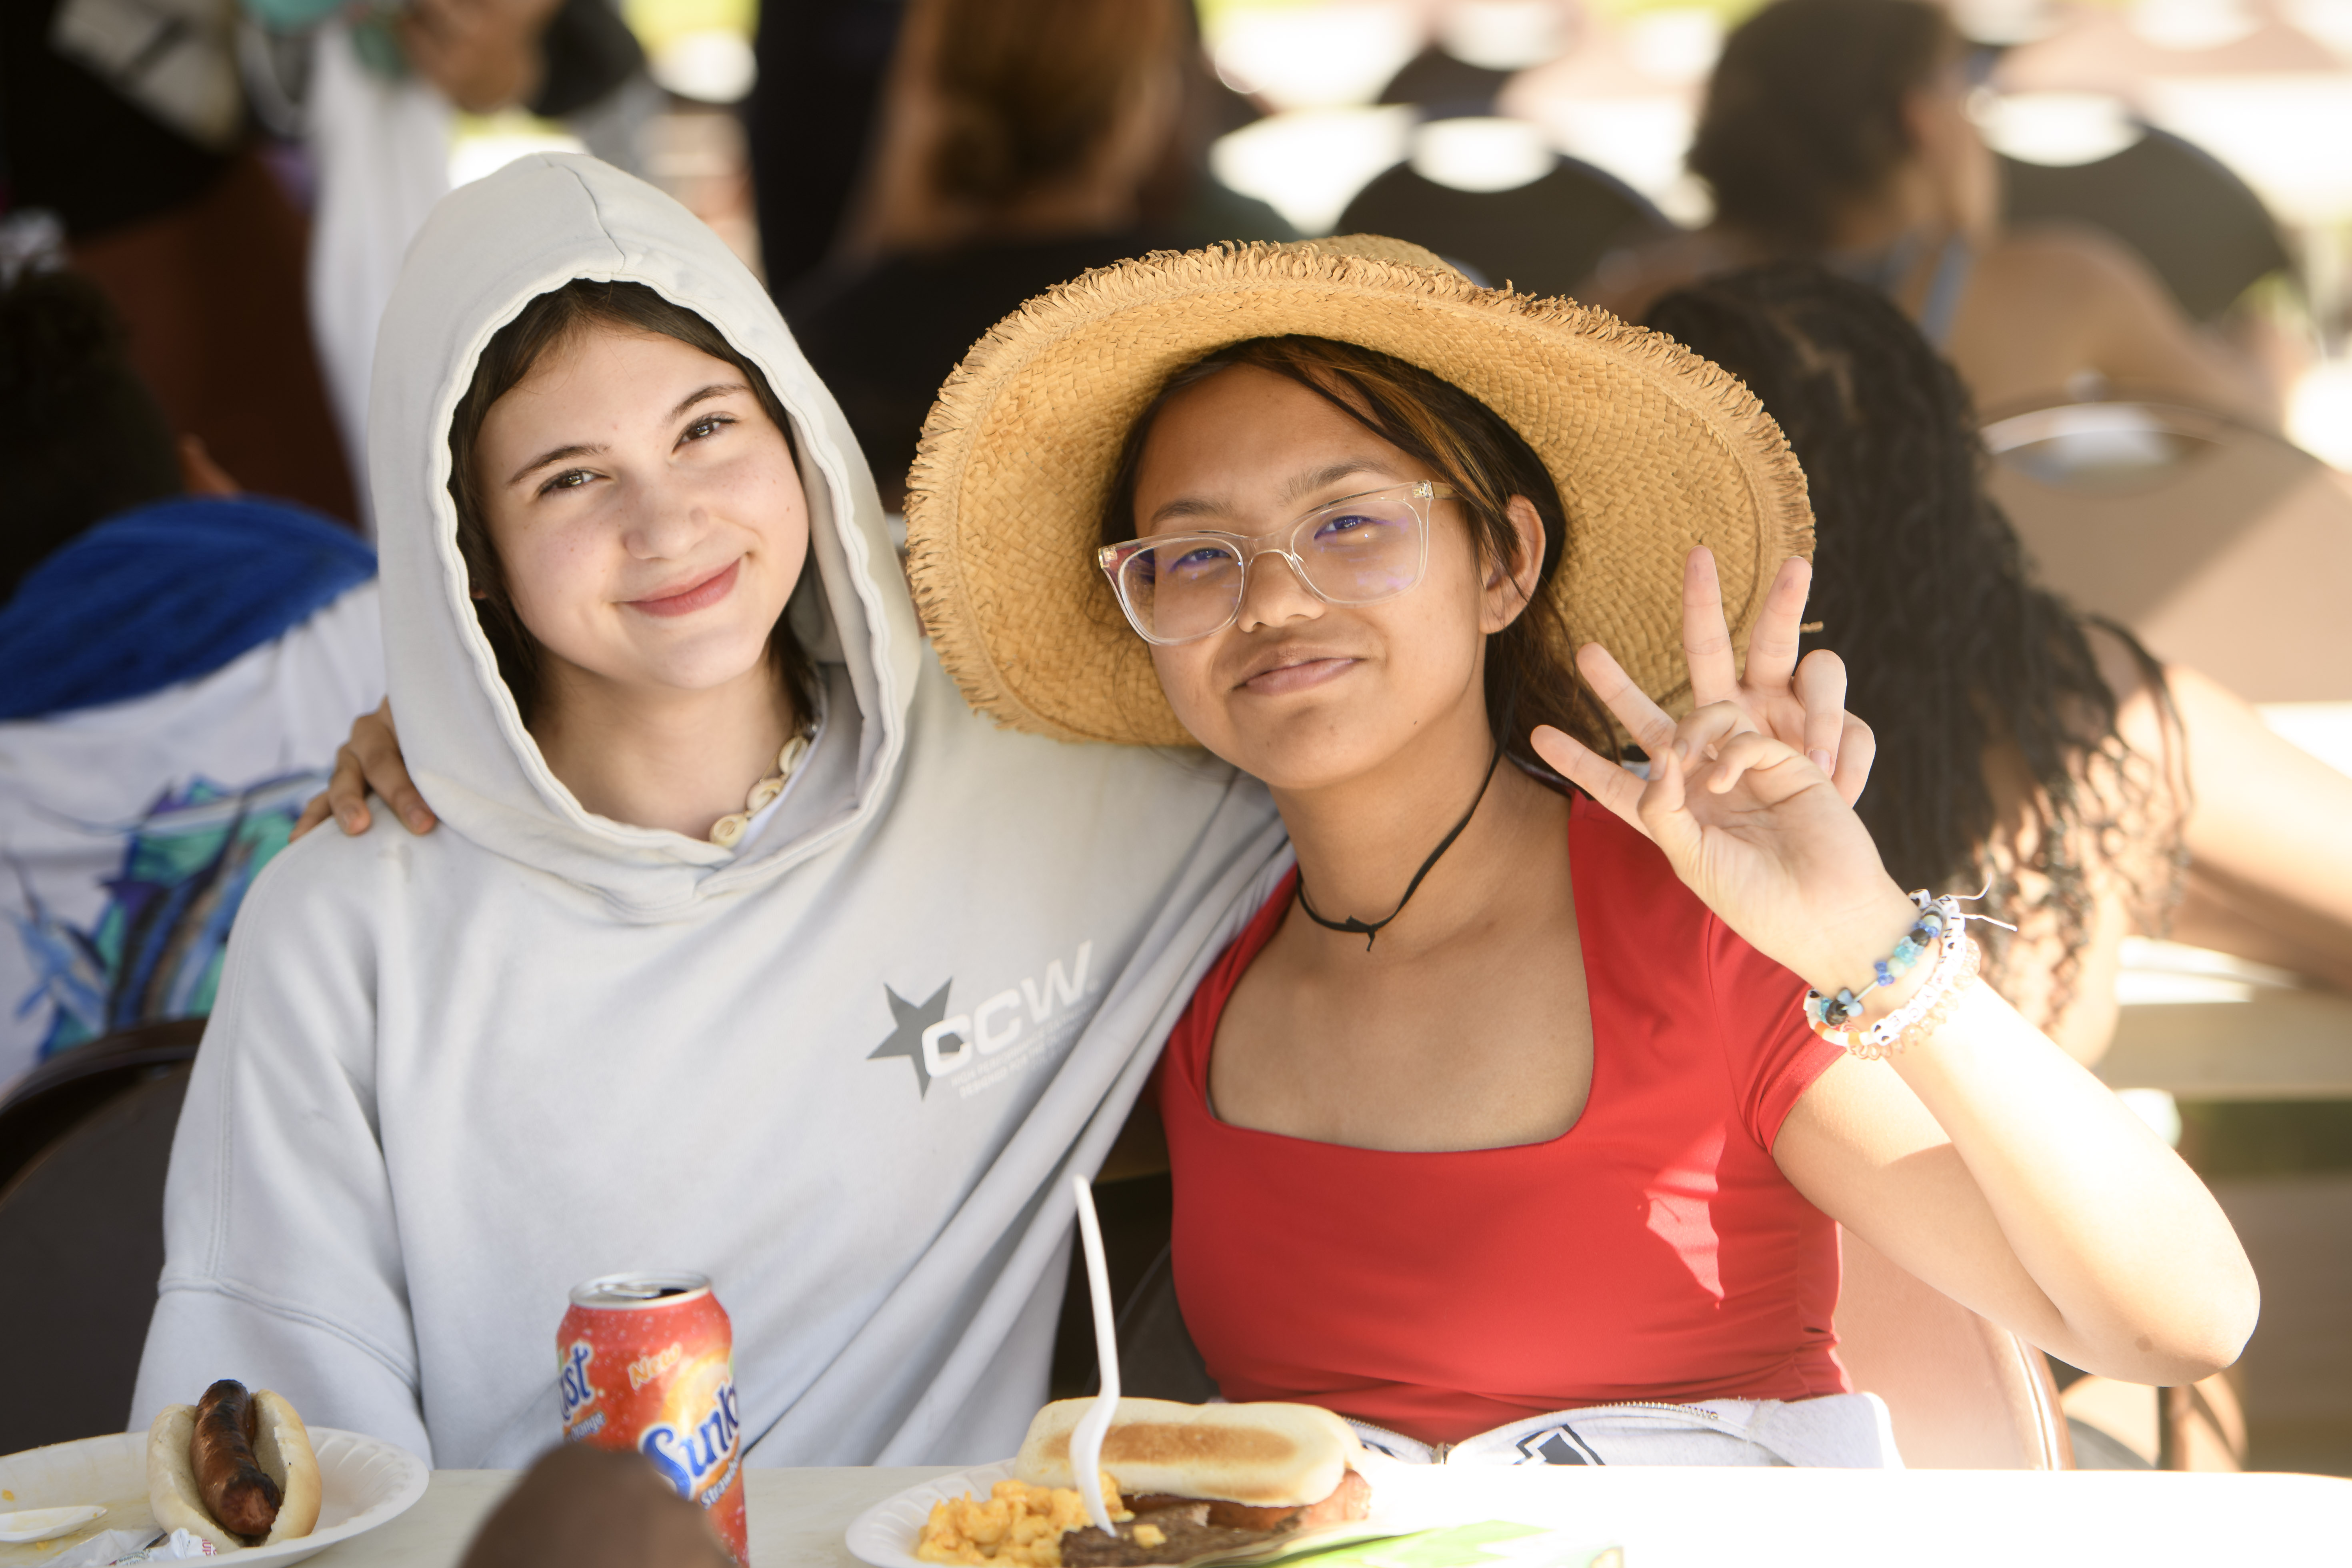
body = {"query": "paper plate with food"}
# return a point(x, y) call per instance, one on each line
point(1185, 1484)
point(237, 1474)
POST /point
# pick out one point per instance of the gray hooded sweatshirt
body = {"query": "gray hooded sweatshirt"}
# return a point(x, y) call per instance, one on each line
point(845, 1072)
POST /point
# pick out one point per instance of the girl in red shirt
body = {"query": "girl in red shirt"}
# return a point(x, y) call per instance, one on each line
point(1510, 1099)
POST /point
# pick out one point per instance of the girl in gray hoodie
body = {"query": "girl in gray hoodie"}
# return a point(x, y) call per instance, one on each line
point(752, 952)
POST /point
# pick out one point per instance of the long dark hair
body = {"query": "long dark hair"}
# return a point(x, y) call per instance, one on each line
point(1530, 679)
point(1920, 585)
point(542, 324)
point(1804, 111)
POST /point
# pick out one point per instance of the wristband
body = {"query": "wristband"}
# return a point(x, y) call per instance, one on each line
point(1939, 919)
point(1939, 926)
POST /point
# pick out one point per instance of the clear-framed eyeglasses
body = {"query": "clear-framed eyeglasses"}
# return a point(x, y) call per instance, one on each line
point(1359, 550)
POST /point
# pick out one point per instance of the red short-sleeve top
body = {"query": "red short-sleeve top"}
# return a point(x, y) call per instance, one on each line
point(1653, 1251)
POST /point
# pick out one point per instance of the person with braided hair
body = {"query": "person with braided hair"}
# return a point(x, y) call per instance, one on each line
point(2020, 744)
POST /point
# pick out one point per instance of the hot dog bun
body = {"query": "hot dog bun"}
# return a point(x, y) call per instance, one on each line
point(282, 1448)
point(1266, 1454)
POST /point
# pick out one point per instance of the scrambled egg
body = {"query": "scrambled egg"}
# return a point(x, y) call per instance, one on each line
point(1020, 1526)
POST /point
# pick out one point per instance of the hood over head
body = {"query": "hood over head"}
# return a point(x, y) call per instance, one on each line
point(488, 249)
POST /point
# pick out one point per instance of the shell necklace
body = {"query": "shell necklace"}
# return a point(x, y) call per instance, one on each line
point(728, 831)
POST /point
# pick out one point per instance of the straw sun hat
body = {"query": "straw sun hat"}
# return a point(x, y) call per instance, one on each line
point(1653, 450)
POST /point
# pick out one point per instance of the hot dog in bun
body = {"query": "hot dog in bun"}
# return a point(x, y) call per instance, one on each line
point(235, 1469)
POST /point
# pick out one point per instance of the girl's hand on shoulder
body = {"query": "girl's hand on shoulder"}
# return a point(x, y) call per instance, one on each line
point(370, 761)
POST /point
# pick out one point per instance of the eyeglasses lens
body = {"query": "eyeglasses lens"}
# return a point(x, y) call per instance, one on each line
point(1357, 554)
point(1185, 589)
point(1362, 553)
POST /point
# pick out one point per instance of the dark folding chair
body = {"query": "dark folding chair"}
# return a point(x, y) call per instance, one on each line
point(1546, 237)
point(84, 1143)
point(2202, 227)
point(1441, 84)
point(1157, 1358)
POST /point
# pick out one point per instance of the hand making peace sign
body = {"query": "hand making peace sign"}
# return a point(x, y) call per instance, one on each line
point(1761, 830)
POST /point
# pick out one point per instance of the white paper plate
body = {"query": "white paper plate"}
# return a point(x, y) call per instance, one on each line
point(885, 1535)
point(361, 1482)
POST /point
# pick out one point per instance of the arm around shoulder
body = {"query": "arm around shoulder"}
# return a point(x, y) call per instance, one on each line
point(282, 1265)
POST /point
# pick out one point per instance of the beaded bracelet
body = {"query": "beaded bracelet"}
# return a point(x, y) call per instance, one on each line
point(1917, 1019)
point(1955, 967)
point(1937, 918)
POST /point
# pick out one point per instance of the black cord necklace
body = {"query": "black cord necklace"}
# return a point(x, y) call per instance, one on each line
point(1356, 927)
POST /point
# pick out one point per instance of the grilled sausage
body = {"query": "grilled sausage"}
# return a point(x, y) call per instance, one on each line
point(220, 1451)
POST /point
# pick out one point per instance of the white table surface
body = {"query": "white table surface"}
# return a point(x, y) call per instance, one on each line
point(1662, 1518)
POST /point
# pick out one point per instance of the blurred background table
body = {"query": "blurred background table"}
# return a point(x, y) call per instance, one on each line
point(1662, 1518)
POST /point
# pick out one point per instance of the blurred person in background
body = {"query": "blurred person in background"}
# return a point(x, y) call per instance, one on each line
point(138, 124)
point(180, 659)
point(1839, 129)
point(370, 97)
point(1022, 143)
point(1017, 137)
point(807, 125)
point(2019, 742)
point(817, 109)
point(152, 171)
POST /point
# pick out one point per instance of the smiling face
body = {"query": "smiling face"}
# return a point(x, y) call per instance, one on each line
point(1302, 693)
point(647, 513)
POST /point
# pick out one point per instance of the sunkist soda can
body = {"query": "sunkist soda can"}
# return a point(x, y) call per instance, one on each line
point(648, 1366)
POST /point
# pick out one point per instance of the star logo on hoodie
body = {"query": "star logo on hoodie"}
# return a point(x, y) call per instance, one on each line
point(906, 1039)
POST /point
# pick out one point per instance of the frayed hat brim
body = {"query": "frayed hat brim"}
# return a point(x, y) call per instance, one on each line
point(1653, 449)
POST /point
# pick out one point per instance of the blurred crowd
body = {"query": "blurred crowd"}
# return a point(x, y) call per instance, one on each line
point(207, 203)
point(204, 219)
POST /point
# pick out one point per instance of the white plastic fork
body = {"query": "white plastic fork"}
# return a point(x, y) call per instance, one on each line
point(1086, 1441)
